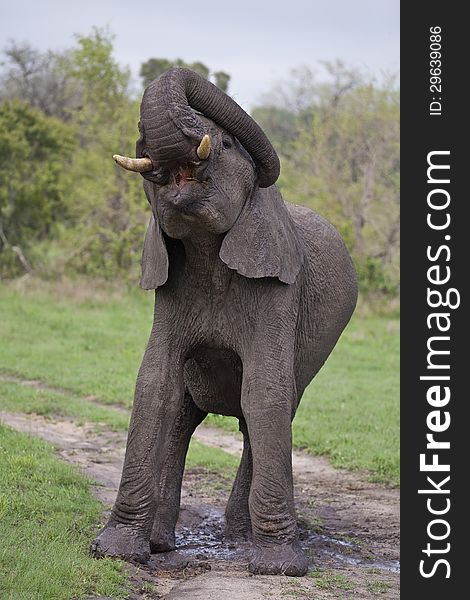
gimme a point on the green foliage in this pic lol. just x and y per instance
(42, 79)
(104, 84)
(154, 67)
(329, 580)
(280, 124)
(373, 276)
(47, 519)
(62, 173)
(34, 150)
(222, 80)
(108, 206)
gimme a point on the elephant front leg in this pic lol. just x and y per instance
(162, 538)
(268, 397)
(157, 405)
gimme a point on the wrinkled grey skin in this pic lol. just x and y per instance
(252, 296)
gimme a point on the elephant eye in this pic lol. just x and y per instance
(226, 142)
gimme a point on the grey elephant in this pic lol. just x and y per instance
(253, 293)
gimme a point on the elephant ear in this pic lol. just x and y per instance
(155, 255)
(264, 241)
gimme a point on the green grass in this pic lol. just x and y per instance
(92, 344)
(350, 412)
(49, 403)
(330, 580)
(214, 459)
(47, 519)
(378, 587)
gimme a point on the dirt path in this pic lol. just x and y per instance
(349, 527)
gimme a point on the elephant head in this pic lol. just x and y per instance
(209, 170)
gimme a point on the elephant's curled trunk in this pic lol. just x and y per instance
(171, 129)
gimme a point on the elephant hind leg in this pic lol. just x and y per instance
(168, 491)
(237, 512)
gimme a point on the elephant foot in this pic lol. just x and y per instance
(286, 559)
(120, 541)
(162, 539)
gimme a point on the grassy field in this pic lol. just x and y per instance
(88, 341)
(47, 518)
(351, 410)
(76, 338)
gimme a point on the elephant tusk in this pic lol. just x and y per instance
(204, 148)
(138, 165)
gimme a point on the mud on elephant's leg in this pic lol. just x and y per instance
(267, 399)
(158, 401)
(162, 538)
(237, 512)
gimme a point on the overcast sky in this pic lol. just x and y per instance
(256, 42)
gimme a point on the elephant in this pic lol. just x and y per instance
(251, 296)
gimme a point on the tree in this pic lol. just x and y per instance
(44, 80)
(34, 152)
(108, 207)
(154, 67)
(280, 124)
(75, 209)
(222, 80)
(198, 67)
(63, 208)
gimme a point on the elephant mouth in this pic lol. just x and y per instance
(188, 174)
(184, 175)
(187, 187)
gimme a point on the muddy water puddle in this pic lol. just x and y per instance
(332, 548)
(201, 545)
